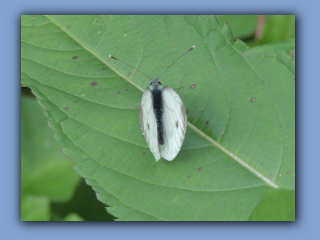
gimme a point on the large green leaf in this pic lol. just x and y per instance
(240, 135)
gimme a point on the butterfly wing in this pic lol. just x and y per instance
(149, 123)
(174, 123)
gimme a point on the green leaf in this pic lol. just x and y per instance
(35, 208)
(242, 26)
(278, 28)
(276, 205)
(72, 217)
(44, 169)
(240, 135)
(284, 45)
(278, 34)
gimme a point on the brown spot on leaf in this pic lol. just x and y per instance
(271, 115)
(192, 86)
(252, 99)
(207, 122)
(66, 108)
(69, 27)
(94, 84)
(128, 74)
(127, 89)
(74, 57)
(143, 153)
(104, 69)
(75, 101)
(200, 169)
(288, 172)
(118, 92)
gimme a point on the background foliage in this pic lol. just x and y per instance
(240, 138)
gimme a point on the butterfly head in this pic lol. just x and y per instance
(155, 84)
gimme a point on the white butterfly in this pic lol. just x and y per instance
(163, 117)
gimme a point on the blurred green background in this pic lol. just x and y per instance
(44, 168)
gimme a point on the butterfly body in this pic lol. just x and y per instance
(157, 102)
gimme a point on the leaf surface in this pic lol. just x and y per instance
(275, 205)
(45, 171)
(240, 135)
(242, 26)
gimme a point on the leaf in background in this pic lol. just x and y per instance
(278, 32)
(278, 28)
(35, 208)
(44, 169)
(275, 205)
(73, 217)
(240, 135)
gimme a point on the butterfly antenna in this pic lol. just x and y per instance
(110, 56)
(176, 60)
